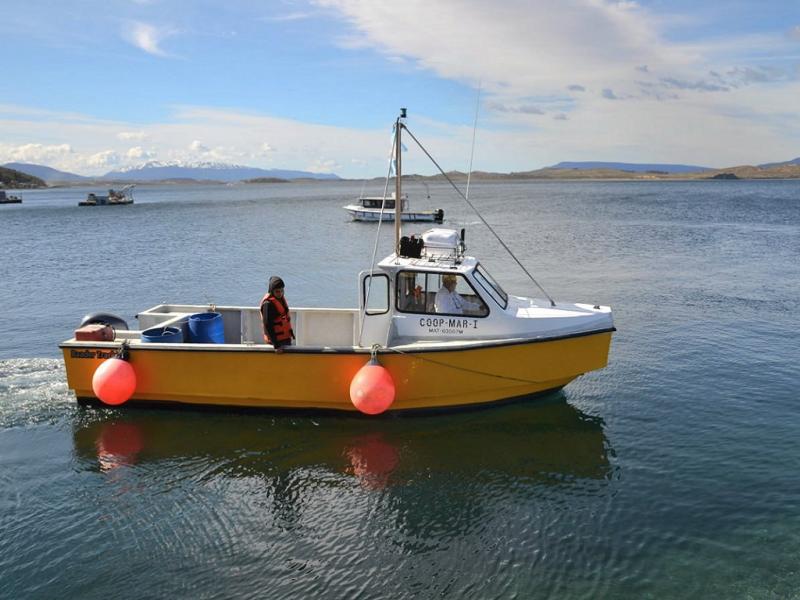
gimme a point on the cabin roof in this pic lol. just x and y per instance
(435, 263)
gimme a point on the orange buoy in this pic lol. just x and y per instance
(372, 388)
(114, 381)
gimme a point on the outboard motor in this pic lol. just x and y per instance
(105, 319)
(439, 217)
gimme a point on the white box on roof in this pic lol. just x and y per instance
(444, 239)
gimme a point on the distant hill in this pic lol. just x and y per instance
(794, 161)
(784, 171)
(787, 170)
(634, 167)
(13, 179)
(156, 171)
(49, 174)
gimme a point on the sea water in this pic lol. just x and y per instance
(673, 472)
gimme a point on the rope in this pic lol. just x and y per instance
(457, 368)
(480, 216)
(124, 349)
(363, 312)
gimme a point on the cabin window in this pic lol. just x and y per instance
(493, 288)
(378, 202)
(426, 293)
(376, 293)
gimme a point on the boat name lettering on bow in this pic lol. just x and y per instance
(92, 353)
(454, 325)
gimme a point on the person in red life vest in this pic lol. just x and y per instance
(275, 316)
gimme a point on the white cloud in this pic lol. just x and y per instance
(266, 148)
(524, 109)
(708, 129)
(147, 37)
(293, 16)
(322, 165)
(523, 48)
(33, 153)
(131, 135)
(529, 54)
(198, 146)
(138, 153)
(105, 158)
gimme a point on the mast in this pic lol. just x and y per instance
(398, 203)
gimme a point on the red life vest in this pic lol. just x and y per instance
(283, 323)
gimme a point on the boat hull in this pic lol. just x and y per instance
(388, 215)
(115, 203)
(257, 377)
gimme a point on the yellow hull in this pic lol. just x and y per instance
(304, 379)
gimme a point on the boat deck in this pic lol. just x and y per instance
(316, 329)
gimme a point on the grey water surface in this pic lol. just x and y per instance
(672, 473)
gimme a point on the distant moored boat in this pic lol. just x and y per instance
(114, 197)
(8, 199)
(368, 208)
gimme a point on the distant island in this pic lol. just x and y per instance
(17, 180)
(21, 175)
(266, 180)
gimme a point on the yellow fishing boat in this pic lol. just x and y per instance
(442, 328)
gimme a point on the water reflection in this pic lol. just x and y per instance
(549, 441)
(372, 460)
(334, 505)
(118, 444)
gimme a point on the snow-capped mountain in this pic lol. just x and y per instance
(156, 170)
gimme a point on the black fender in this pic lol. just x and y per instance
(118, 323)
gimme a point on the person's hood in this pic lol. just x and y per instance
(275, 283)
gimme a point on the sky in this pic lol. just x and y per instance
(315, 85)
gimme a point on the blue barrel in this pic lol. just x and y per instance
(206, 328)
(162, 335)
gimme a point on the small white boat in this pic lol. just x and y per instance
(369, 209)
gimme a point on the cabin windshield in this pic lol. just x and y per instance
(493, 288)
(438, 293)
(377, 202)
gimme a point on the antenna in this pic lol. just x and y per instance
(474, 130)
(398, 194)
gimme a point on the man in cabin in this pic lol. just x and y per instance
(449, 301)
(275, 316)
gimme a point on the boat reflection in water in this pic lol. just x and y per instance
(118, 444)
(548, 441)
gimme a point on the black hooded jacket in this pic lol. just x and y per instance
(269, 314)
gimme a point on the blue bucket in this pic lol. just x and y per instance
(162, 335)
(206, 328)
